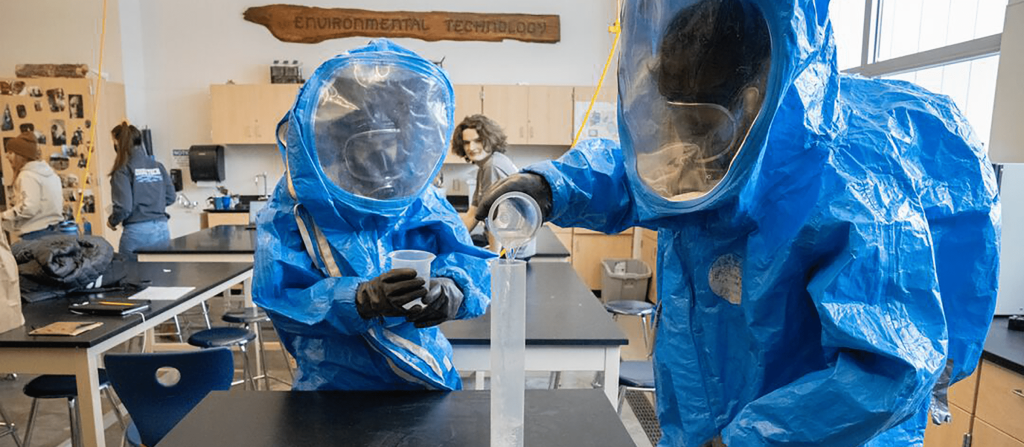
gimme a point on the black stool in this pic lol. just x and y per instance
(52, 386)
(228, 337)
(634, 308)
(251, 317)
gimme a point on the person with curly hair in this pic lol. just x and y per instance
(481, 141)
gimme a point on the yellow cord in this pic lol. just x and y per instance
(614, 29)
(95, 112)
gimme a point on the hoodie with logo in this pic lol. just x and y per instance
(141, 190)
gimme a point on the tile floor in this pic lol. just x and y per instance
(52, 422)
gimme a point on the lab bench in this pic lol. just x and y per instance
(988, 406)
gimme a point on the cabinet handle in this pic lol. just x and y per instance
(1019, 393)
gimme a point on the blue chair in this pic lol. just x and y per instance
(155, 397)
(60, 386)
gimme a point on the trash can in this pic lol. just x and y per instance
(624, 279)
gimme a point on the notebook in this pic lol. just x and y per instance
(109, 307)
(66, 328)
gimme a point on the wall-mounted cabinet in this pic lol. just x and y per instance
(539, 115)
(248, 114)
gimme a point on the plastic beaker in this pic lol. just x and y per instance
(514, 220)
(418, 260)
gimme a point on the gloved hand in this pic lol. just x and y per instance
(385, 294)
(442, 301)
(533, 185)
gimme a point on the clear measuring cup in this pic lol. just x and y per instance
(514, 220)
(418, 260)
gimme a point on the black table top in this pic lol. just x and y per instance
(222, 239)
(562, 418)
(548, 245)
(560, 310)
(240, 239)
(1005, 347)
(166, 274)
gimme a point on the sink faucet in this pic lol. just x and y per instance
(257, 180)
(185, 201)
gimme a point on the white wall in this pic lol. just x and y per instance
(59, 32)
(174, 50)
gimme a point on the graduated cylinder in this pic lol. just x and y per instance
(508, 352)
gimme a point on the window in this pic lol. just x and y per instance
(924, 41)
(971, 85)
(912, 26)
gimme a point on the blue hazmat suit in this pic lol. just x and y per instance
(367, 134)
(827, 244)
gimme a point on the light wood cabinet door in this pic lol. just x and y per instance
(951, 434)
(963, 392)
(588, 250)
(1001, 399)
(273, 102)
(649, 254)
(550, 115)
(248, 114)
(985, 435)
(508, 105)
(230, 113)
(210, 220)
(467, 102)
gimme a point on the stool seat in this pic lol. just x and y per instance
(54, 386)
(636, 374)
(247, 315)
(629, 307)
(221, 336)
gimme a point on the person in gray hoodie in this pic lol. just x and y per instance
(37, 204)
(141, 189)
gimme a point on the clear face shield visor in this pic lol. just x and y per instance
(704, 89)
(380, 130)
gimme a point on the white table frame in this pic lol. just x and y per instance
(546, 358)
(84, 363)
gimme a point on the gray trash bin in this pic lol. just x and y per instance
(624, 279)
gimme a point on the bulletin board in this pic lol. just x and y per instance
(59, 113)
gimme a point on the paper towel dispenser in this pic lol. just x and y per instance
(206, 163)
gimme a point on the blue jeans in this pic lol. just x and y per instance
(139, 235)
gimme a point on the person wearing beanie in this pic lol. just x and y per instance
(36, 207)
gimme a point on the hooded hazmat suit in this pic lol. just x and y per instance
(815, 230)
(367, 133)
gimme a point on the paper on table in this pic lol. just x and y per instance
(161, 293)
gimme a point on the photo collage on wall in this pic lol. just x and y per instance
(54, 110)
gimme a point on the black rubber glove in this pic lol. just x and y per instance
(533, 185)
(443, 302)
(386, 294)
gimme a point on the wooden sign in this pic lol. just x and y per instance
(302, 24)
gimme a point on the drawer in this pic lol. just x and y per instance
(985, 435)
(1001, 399)
(962, 394)
(951, 434)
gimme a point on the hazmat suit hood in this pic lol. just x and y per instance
(367, 133)
(714, 76)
